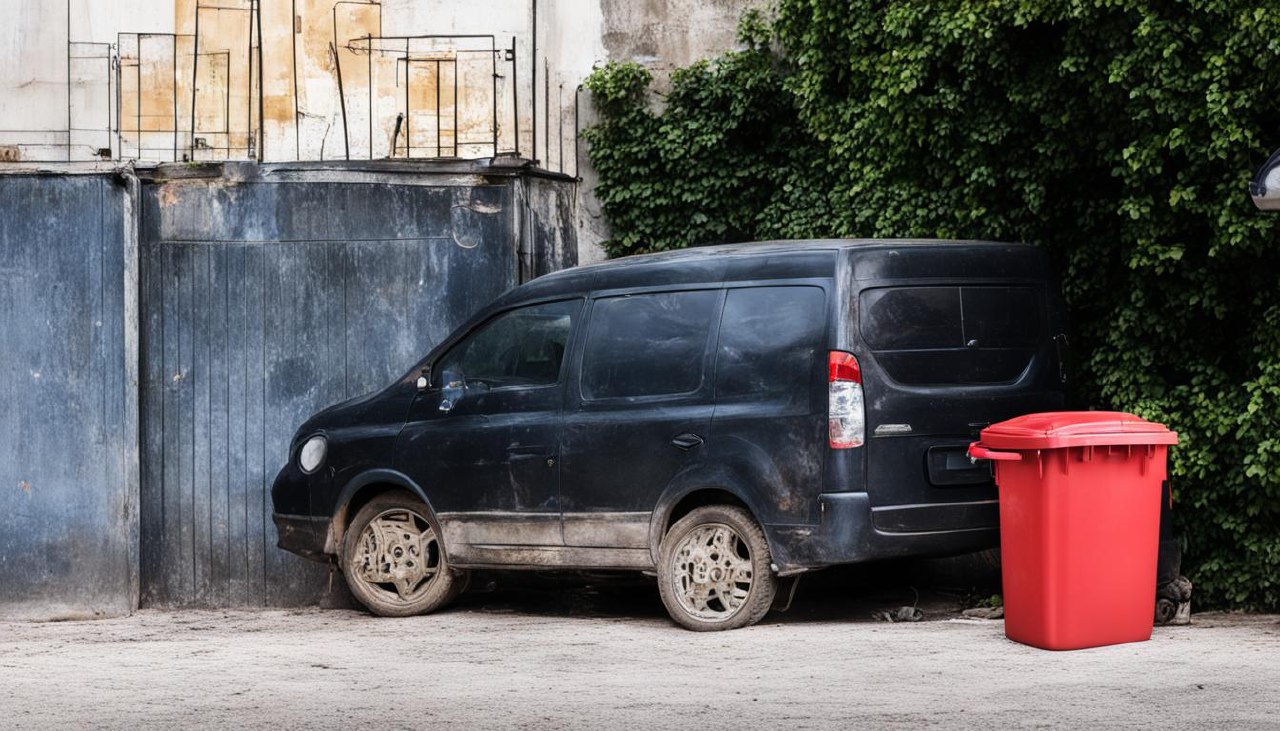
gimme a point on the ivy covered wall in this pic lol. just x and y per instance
(1118, 135)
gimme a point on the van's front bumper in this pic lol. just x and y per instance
(296, 531)
(847, 534)
(301, 534)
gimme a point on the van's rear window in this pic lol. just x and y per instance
(952, 334)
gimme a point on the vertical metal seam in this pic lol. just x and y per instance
(244, 416)
(408, 74)
(456, 152)
(119, 94)
(515, 98)
(226, 404)
(190, 384)
(439, 80)
(533, 84)
(68, 80)
(208, 385)
(164, 412)
(369, 41)
(346, 326)
(262, 124)
(493, 63)
(195, 66)
(342, 99)
(100, 327)
(293, 33)
(175, 96)
(262, 471)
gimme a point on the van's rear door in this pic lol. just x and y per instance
(953, 337)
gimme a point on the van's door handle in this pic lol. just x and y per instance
(687, 441)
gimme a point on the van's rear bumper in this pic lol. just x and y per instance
(847, 534)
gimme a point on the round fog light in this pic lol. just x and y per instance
(311, 456)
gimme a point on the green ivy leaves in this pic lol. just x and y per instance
(1118, 134)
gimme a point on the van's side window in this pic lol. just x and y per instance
(952, 335)
(648, 344)
(769, 340)
(912, 318)
(523, 347)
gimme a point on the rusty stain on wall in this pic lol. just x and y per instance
(326, 81)
(304, 80)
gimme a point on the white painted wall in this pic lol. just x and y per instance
(100, 20)
(33, 101)
(37, 77)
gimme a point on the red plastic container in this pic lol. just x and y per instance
(1079, 525)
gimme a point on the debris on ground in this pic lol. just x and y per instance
(984, 613)
(904, 614)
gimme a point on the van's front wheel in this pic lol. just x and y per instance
(714, 570)
(392, 558)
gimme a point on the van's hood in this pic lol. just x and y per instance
(378, 407)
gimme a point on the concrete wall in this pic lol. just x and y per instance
(156, 364)
(661, 34)
(33, 101)
(68, 459)
(266, 85)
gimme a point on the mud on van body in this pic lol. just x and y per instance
(721, 416)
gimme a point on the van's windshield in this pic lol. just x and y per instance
(951, 335)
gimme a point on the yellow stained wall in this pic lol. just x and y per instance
(304, 43)
(227, 93)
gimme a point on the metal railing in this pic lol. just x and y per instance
(200, 96)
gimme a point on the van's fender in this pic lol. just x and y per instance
(741, 481)
(379, 476)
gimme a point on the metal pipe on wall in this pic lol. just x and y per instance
(533, 85)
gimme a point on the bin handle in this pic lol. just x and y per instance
(977, 452)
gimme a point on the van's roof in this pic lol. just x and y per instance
(808, 257)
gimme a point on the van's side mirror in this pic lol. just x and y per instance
(454, 387)
(424, 379)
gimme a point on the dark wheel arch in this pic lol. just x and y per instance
(674, 507)
(358, 492)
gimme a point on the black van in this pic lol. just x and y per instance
(721, 416)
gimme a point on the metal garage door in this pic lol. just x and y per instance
(263, 302)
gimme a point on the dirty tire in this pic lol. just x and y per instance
(393, 560)
(714, 570)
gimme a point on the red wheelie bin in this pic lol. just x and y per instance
(1080, 496)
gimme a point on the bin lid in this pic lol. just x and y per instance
(1054, 429)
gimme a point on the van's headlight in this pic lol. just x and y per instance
(311, 456)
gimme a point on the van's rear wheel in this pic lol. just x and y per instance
(393, 561)
(714, 570)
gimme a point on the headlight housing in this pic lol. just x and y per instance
(312, 454)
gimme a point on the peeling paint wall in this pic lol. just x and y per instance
(68, 456)
(157, 80)
(668, 34)
(33, 104)
(661, 34)
(156, 365)
(268, 296)
(548, 228)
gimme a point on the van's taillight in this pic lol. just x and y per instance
(846, 424)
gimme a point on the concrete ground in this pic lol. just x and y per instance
(579, 653)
